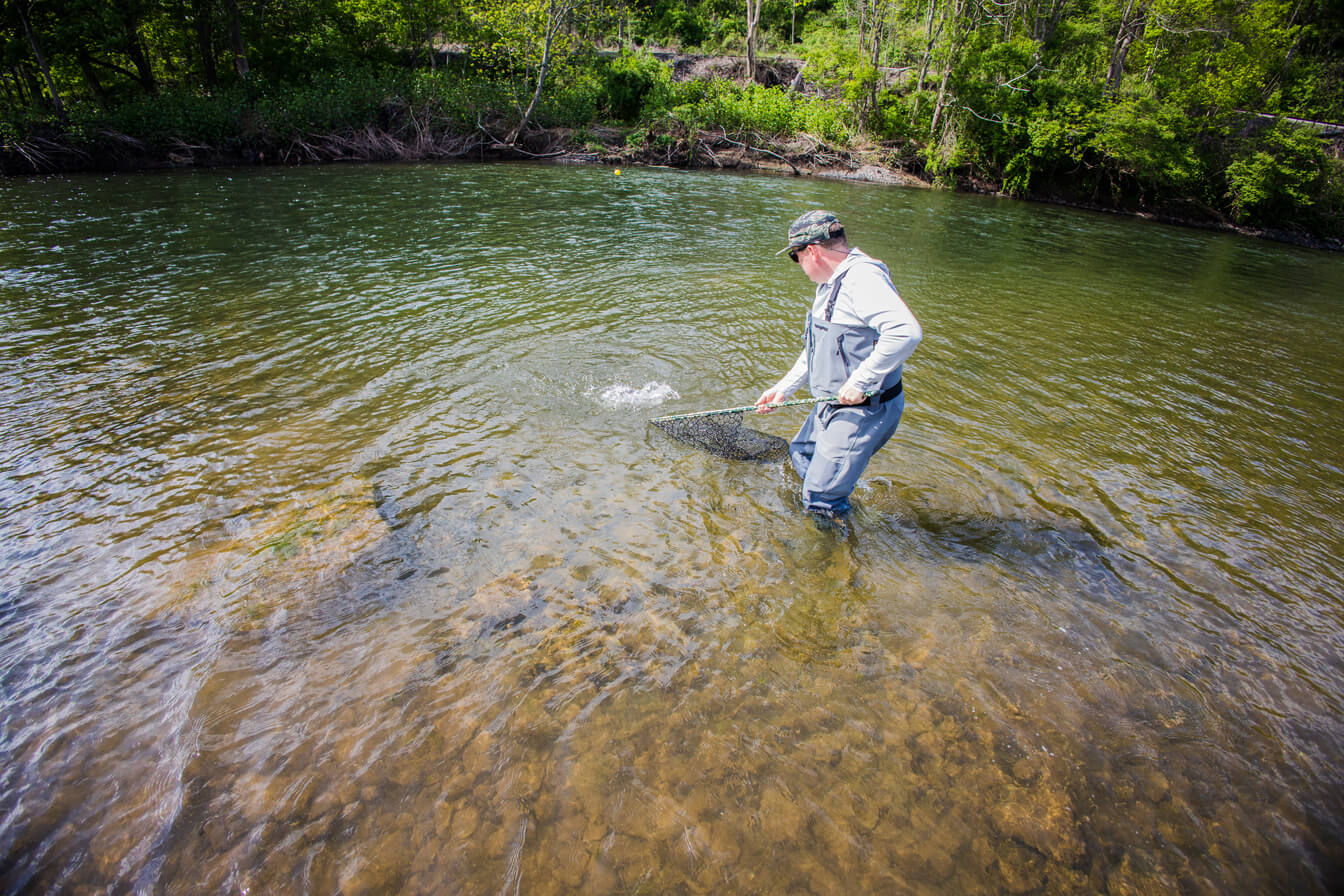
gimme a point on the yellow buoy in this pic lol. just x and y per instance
(618, 171)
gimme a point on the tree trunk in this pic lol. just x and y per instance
(938, 104)
(798, 83)
(24, 77)
(236, 39)
(554, 16)
(1132, 24)
(41, 60)
(863, 32)
(753, 19)
(205, 43)
(875, 54)
(925, 60)
(90, 75)
(1045, 21)
(954, 41)
(144, 69)
(929, 38)
(13, 88)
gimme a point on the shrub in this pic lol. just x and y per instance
(672, 21)
(185, 115)
(571, 101)
(767, 110)
(633, 82)
(1276, 175)
(342, 101)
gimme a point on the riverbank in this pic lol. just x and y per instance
(684, 111)
(611, 146)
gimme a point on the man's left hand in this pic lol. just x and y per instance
(851, 395)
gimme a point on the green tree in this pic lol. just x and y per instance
(534, 37)
(22, 11)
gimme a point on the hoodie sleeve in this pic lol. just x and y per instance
(874, 300)
(795, 378)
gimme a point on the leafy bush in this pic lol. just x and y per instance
(677, 22)
(185, 115)
(767, 110)
(892, 119)
(339, 102)
(573, 103)
(1277, 175)
(1049, 143)
(1328, 212)
(1151, 141)
(832, 58)
(633, 81)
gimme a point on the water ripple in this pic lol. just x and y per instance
(338, 554)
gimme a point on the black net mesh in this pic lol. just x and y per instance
(723, 435)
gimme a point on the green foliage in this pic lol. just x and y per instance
(269, 114)
(833, 61)
(723, 104)
(1328, 212)
(329, 105)
(523, 32)
(573, 103)
(892, 120)
(1276, 175)
(175, 115)
(1050, 143)
(1149, 140)
(676, 23)
(633, 81)
(993, 82)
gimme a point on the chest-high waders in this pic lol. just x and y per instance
(836, 441)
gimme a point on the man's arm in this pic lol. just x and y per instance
(877, 304)
(781, 390)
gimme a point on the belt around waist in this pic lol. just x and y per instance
(887, 394)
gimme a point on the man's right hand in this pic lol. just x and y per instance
(768, 397)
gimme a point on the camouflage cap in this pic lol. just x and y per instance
(815, 226)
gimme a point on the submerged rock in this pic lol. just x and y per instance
(1041, 818)
(289, 556)
(504, 602)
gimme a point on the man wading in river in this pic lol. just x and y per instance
(858, 335)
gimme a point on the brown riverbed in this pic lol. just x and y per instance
(338, 555)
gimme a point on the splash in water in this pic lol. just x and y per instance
(619, 395)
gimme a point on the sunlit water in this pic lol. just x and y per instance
(337, 554)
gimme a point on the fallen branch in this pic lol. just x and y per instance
(709, 152)
(31, 154)
(758, 149)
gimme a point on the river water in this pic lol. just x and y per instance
(337, 555)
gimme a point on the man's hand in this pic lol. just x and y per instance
(768, 397)
(851, 395)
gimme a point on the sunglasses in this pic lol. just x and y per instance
(793, 254)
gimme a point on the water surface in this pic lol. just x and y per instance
(336, 554)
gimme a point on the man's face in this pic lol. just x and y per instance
(809, 259)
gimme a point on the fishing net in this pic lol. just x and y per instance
(721, 433)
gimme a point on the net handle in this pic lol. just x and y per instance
(750, 407)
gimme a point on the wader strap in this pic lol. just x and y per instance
(887, 394)
(835, 294)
